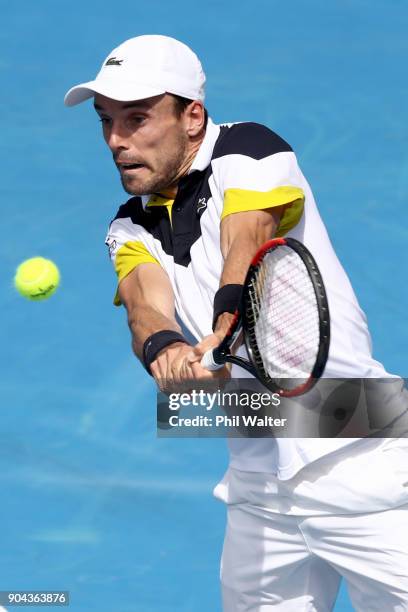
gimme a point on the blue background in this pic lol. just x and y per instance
(90, 500)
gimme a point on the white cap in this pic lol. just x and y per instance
(143, 67)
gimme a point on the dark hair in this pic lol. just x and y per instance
(180, 105)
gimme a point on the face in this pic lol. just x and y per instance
(149, 142)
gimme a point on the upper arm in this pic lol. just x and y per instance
(143, 285)
(130, 246)
(256, 226)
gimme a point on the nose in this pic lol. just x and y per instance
(116, 137)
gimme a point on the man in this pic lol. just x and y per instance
(205, 197)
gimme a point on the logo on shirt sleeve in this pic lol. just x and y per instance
(111, 244)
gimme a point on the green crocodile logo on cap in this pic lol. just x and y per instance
(112, 61)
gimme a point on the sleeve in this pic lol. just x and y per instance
(128, 247)
(255, 169)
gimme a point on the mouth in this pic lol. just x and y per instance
(129, 167)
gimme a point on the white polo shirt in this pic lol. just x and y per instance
(241, 167)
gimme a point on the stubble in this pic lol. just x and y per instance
(165, 175)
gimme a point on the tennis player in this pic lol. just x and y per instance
(302, 512)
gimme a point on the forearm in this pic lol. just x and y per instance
(149, 300)
(236, 264)
(144, 321)
(241, 236)
(239, 256)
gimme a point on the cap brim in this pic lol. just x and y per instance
(122, 92)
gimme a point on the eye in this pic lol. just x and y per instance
(137, 119)
(104, 120)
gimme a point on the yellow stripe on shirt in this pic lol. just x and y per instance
(158, 200)
(128, 257)
(243, 200)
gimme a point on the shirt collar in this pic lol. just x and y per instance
(204, 153)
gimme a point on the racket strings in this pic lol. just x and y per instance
(283, 316)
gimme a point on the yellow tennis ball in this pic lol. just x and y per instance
(37, 278)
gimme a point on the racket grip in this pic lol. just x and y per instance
(208, 362)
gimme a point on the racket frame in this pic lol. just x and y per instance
(323, 310)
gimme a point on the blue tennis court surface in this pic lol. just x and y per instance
(91, 501)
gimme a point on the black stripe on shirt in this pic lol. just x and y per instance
(154, 219)
(251, 139)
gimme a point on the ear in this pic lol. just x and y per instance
(194, 118)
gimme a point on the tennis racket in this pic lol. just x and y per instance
(284, 316)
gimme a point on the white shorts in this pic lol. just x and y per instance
(288, 543)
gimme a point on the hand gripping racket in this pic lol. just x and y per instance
(284, 316)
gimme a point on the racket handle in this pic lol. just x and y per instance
(208, 362)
